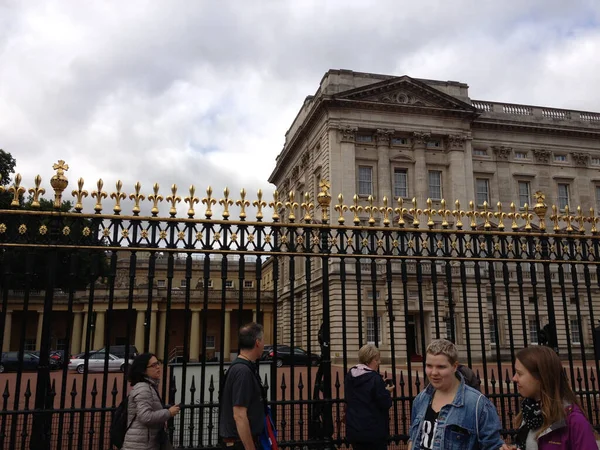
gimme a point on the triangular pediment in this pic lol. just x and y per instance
(405, 91)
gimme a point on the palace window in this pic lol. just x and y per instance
(248, 283)
(436, 143)
(229, 284)
(400, 183)
(560, 158)
(399, 141)
(482, 186)
(492, 324)
(210, 342)
(524, 193)
(365, 180)
(371, 329)
(563, 195)
(364, 138)
(480, 152)
(160, 283)
(595, 161)
(183, 283)
(533, 332)
(597, 199)
(520, 155)
(575, 332)
(435, 184)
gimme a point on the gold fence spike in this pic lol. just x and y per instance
(191, 200)
(17, 190)
(568, 218)
(137, 197)
(36, 192)
(580, 220)
(500, 216)
(458, 213)
(386, 211)
(117, 197)
(485, 214)
(209, 201)
(173, 199)
(307, 207)
(371, 210)
(79, 195)
(415, 212)
(259, 204)
(243, 204)
(292, 206)
(99, 195)
(324, 200)
(59, 182)
(430, 212)
(276, 205)
(226, 203)
(444, 214)
(472, 214)
(593, 219)
(541, 208)
(356, 208)
(400, 210)
(527, 216)
(555, 217)
(341, 208)
(155, 198)
(513, 215)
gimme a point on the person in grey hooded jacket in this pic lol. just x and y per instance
(146, 415)
(368, 400)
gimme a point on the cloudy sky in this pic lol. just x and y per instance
(202, 92)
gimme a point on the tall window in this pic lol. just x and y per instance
(365, 180)
(371, 329)
(563, 195)
(482, 186)
(524, 193)
(533, 331)
(400, 183)
(210, 342)
(435, 184)
(598, 199)
(493, 337)
(183, 283)
(575, 332)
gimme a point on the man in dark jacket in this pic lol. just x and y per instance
(368, 400)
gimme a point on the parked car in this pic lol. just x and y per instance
(285, 356)
(57, 355)
(10, 361)
(96, 362)
(119, 351)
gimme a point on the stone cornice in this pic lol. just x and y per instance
(421, 138)
(383, 136)
(502, 152)
(581, 159)
(347, 133)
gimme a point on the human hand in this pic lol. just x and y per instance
(508, 447)
(174, 410)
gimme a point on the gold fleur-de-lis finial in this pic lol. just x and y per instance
(485, 214)
(444, 214)
(555, 217)
(79, 195)
(155, 198)
(259, 205)
(173, 199)
(209, 201)
(341, 208)
(36, 192)
(458, 213)
(415, 212)
(191, 200)
(386, 211)
(567, 217)
(99, 194)
(527, 216)
(472, 214)
(580, 220)
(243, 204)
(593, 219)
(430, 212)
(400, 210)
(17, 190)
(356, 208)
(226, 203)
(500, 216)
(276, 205)
(137, 197)
(60, 167)
(513, 215)
(307, 207)
(117, 197)
(291, 205)
(371, 210)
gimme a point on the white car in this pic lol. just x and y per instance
(96, 363)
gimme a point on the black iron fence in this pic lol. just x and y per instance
(323, 279)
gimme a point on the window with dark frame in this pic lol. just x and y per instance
(400, 183)
(365, 180)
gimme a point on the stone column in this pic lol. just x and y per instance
(421, 176)
(195, 336)
(468, 158)
(153, 332)
(268, 327)
(503, 174)
(38, 339)
(345, 165)
(162, 335)
(384, 181)
(227, 343)
(99, 330)
(254, 316)
(459, 185)
(7, 332)
(139, 330)
(76, 333)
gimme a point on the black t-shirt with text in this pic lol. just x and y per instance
(429, 427)
(241, 388)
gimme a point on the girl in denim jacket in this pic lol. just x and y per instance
(448, 414)
(550, 416)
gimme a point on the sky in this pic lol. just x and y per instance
(202, 92)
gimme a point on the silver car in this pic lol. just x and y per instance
(96, 363)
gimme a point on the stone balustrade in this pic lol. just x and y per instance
(486, 107)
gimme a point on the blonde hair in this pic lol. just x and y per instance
(367, 353)
(443, 347)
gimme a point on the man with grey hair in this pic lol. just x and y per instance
(242, 399)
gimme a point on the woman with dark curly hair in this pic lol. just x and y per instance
(146, 415)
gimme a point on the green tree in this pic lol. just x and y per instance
(7, 168)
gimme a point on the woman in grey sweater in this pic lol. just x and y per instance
(146, 415)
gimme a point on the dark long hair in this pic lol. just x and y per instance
(544, 365)
(138, 367)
